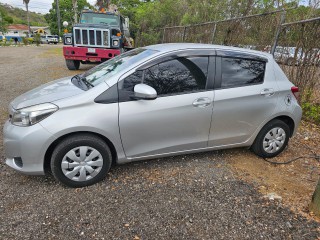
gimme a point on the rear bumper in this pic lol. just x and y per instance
(83, 54)
(296, 115)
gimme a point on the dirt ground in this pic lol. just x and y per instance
(294, 182)
(215, 195)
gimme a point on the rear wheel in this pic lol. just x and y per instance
(81, 160)
(272, 139)
(73, 64)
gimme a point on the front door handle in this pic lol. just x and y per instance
(202, 102)
(268, 92)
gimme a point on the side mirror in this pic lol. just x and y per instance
(143, 91)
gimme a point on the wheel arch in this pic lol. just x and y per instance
(50, 149)
(287, 120)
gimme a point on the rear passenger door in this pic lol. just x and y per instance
(245, 95)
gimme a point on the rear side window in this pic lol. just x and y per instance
(237, 72)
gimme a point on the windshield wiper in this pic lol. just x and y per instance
(82, 80)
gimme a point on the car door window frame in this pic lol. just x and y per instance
(179, 93)
(208, 53)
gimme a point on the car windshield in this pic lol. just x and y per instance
(115, 65)
(100, 18)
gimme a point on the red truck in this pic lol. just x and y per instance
(98, 37)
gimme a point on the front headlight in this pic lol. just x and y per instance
(68, 40)
(31, 115)
(115, 42)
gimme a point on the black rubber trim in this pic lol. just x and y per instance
(185, 53)
(234, 54)
(211, 73)
(108, 96)
(218, 75)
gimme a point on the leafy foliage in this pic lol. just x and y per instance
(37, 39)
(13, 15)
(311, 111)
(66, 12)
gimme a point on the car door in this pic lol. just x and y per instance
(245, 95)
(178, 119)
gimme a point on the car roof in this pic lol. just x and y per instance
(168, 47)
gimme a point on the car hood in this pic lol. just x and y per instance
(52, 91)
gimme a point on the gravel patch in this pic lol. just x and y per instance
(184, 197)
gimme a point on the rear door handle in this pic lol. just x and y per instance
(202, 102)
(268, 92)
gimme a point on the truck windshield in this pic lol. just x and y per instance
(100, 18)
(115, 65)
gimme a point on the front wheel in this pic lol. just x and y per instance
(73, 64)
(272, 139)
(81, 160)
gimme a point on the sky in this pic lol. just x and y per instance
(43, 6)
(40, 6)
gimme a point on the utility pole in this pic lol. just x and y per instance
(58, 16)
(75, 7)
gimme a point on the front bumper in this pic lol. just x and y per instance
(28, 144)
(83, 54)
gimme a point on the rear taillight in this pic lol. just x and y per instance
(295, 91)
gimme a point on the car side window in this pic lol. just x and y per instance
(237, 72)
(178, 76)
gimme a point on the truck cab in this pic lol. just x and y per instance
(98, 37)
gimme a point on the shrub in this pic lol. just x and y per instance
(311, 112)
(30, 40)
(25, 41)
(37, 39)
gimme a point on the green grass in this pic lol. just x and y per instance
(311, 112)
(53, 51)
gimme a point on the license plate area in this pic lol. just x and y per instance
(91, 50)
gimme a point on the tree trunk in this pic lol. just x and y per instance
(29, 30)
(315, 202)
(75, 9)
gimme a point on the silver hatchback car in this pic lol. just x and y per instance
(152, 102)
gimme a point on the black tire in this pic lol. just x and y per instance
(55, 43)
(257, 146)
(71, 143)
(73, 64)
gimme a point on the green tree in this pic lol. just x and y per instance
(103, 4)
(66, 12)
(3, 22)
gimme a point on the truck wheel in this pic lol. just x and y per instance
(73, 64)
